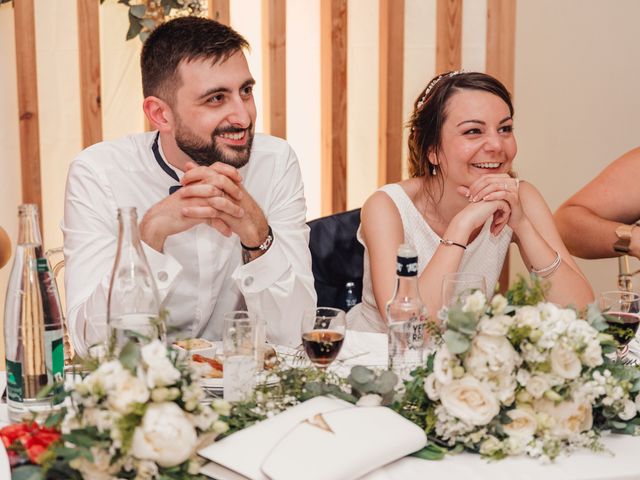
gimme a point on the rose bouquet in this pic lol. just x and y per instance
(530, 379)
(138, 416)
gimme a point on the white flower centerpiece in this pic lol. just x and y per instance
(531, 379)
(140, 416)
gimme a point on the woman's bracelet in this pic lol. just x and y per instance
(448, 243)
(548, 270)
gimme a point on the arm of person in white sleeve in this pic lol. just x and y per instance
(90, 229)
(278, 285)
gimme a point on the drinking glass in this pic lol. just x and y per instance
(96, 333)
(456, 287)
(239, 347)
(323, 331)
(621, 311)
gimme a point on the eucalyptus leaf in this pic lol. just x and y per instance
(456, 342)
(130, 356)
(27, 472)
(148, 23)
(138, 11)
(134, 27)
(430, 452)
(144, 36)
(463, 322)
(360, 374)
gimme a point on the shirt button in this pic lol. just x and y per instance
(163, 276)
(248, 281)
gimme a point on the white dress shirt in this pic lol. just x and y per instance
(200, 274)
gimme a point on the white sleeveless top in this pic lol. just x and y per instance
(485, 255)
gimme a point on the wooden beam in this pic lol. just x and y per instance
(28, 103)
(333, 95)
(219, 10)
(448, 35)
(501, 41)
(89, 50)
(274, 65)
(391, 86)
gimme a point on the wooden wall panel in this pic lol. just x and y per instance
(28, 103)
(89, 50)
(219, 10)
(390, 121)
(501, 41)
(333, 94)
(274, 65)
(448, 35)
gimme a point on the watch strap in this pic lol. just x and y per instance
(264, 246)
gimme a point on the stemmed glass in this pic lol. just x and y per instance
(621, 310)
(323, 331)
(456, 287)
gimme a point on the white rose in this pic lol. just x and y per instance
(592, 355)
(570, 418)
(548, 311)
(128, 391)
(490, 354)
(443, 364)
(527, 316)
(160, 370)
(493, 326)
(475, 303)
(628, 410)
(432, 387)
(498, 304)
(165, 435)
(537, 385)
(470, 401)
(369, 400)
(564, 362)
(523, 424)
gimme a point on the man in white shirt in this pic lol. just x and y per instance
(222, 209)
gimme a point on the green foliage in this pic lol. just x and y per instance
(365, 381)
(525, 293)
(145, 16)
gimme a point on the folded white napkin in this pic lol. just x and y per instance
(323, 438)
(364, 348)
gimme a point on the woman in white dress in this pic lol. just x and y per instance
(462, 206)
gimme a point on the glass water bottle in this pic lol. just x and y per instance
(33, 333)
(133, 308)
(406, 316)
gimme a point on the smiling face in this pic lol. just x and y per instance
(214, 111)
(477, 137)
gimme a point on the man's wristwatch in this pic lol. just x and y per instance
(623, 232)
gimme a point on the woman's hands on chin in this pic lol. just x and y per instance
(475, 215)
(498, 187)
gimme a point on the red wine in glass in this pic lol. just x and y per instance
(322, 346)
(622, 326)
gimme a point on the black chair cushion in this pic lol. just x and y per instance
(337, 257)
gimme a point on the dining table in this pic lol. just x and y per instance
(618, 460)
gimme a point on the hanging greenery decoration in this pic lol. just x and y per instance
(145, 15)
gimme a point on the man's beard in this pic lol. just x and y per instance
(205, 154)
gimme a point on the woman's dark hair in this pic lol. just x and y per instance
(430, 112)
(183, 39)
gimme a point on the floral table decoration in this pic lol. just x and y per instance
(511, 375)
(139, 416)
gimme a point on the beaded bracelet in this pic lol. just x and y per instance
(548, 270)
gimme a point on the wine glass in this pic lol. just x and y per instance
(456, 287)
(323, 331)
(621, 310)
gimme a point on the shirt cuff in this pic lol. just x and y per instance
(263, 272)
(164, 267)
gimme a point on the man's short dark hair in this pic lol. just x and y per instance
(182, 40)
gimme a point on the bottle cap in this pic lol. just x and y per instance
(407, 265)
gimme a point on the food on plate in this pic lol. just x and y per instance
(215, 366)
(193, 344)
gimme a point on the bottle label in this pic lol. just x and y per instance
(54, 359)
(407, 266)
(15, 389)
(42, 265)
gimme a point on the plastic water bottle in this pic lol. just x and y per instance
(350, 300)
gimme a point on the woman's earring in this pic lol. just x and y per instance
(432, 169)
